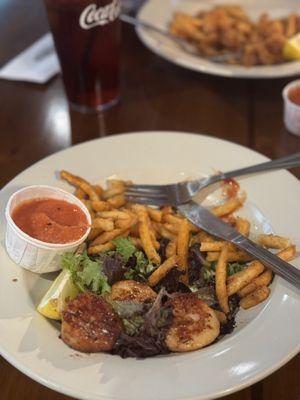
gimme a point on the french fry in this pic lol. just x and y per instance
(167, 210)
(145, 234)
(115, 187)
(262, 280)
(153, 237)
(126, 223)
(171, 249)
(155, 214)
(220, 277)
(104, 224)
(242, 225)
(202, 237)
(100, 205)
(172, 219)
(233, 256)
(163, 232)
(80, 183)
(114, 214)
(99, 190)
(229, 207)
(243, 278)
(108, 236)
(221, 316)
(80, 194)
(212, 246)
(183, 248)
(174, 228)
(162, 270)
(273, 241)
(117, 201)
(95, 232)
(254, 298)
(101, 248)
(287, 254)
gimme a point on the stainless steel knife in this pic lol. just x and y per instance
(204, 219)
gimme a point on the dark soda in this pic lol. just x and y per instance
(87, 39)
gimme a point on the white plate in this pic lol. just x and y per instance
(160, 12)
(266, 337)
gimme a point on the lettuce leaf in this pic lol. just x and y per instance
(125, 247)
(232, 268)
(87, 274)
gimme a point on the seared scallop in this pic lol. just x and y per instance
(89, 324)
(194, 324)
(132, 290)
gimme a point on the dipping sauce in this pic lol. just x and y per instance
(294, 95)
(51, 220)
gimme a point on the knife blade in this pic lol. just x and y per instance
(204, 219)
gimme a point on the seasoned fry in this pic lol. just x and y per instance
(80, 194)
(221, 316)
(256, 297)
(220, 277)
(108, 236)
(167, 210)
(145, 235)
(115, 187)
(202, 237)
(104, 224)
(117, 201)
(126, 223)
(100, 205)
(273, 241)
(229, 207)
(233, 256)
(262, 280)
(80, 183)
(242, 225)
(155, 214)
(115, 214)
(287, 254)
(171, 249)
(162, 270)
(183, 247)
(243, 278)
(101, 248)
(99, 190)
(95, 232)
(212, 246)
(163, 232)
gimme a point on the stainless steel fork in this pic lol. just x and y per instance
(182, 192)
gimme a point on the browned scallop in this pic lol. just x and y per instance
(194, 325)
(132, 290)
(89, 324)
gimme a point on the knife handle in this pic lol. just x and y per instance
(279, 266)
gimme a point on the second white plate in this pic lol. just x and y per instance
(160, 12)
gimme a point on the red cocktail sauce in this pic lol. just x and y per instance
(294, 95)
(51, 220)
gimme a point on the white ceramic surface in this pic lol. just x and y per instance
(266, 337)
(30, 253)
(159, 13)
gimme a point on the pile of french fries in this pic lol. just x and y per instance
(227, 28)
(112, 217)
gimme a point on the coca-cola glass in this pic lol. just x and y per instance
(87, 40)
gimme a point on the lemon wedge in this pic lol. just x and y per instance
(291, 49)
(54, 301)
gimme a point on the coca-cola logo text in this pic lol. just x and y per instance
(92, 16)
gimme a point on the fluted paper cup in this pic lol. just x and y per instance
(30, 253)
(291, 110)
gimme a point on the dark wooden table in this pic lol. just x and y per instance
(35, 122)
